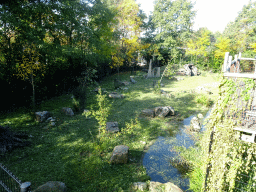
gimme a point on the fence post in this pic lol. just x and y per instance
(25, 187)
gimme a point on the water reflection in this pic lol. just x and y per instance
(157, 159)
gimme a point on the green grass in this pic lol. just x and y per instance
(72, 151)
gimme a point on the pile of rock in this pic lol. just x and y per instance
(158, 111)
(42, 116)
(68, 111)
(188, 70)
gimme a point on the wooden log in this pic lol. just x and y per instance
(248, 59)
(240, 75)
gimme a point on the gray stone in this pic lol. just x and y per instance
(68, 111)
(112, 127)
(164, 111)
(148, 113)
(162, 85)
(194, 71)
(52, 186)
(163, 187)
(115, 95)
(51, 119)
(195, 124)
(42, 115)
(120, 154)
(200, 116)
(187, 68)
(132, 80)
(140, 186)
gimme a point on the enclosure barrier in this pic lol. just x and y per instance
(232, 68)
(10, 183)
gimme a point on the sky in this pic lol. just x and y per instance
(213, 14)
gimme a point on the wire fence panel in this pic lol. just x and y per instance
(9, 182)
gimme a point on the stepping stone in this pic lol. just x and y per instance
(120, 154)
(112, 127)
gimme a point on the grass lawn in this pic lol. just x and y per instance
(73, 152)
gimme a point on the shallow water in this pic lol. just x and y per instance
(157, 158)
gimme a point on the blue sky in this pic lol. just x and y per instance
(213, 14)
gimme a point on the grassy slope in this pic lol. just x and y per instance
(69, 152)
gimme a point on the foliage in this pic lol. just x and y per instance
(172, 20)
(204, 100)
(102, 113)
(226, 162)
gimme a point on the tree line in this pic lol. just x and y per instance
(46, 46)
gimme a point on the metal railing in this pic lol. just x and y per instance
(9, 182)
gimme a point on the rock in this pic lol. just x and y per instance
(125, 88)
(112, 127)
(120, 154)
(125, 83)
(194, 124)
(42, 115)
(163, 187)
(132, 80)
(148, 113)
(190, 70)
(200, 116)
(194, 71)
(68, 111)
(181, 71)
(164, 111)
(51, 119)
(52, 123)
(162, 85)
(187, 68)
(52, 186)
(139, 186)
(115, 95)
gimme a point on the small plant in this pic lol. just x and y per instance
(102, 113)
(157, 89)
(204, 100)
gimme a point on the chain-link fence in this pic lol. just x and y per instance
(9, 182)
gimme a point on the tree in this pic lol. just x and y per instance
(173, 21)
(242, 31)
(28, 66)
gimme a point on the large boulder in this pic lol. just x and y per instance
(163, 187)
(187, 68)
(120, 154)
(148, 113)
(194, 71)
(164, 111)
(52, 186)
(190, 70)
(112, 127)
(42, 115)
(195, 124)
(115, 95)
(68, 111)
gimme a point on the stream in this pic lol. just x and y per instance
(157, 159)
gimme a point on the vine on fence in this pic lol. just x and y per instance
(229, 163)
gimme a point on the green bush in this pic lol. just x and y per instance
(204, 100)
